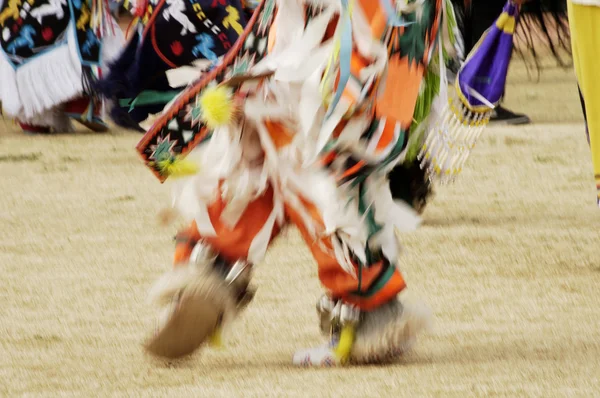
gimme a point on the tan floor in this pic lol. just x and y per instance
(507, 260)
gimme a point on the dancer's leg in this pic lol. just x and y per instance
(231, 243)
(360, 312)
(211, 276)
(372, 285)
(585, 37)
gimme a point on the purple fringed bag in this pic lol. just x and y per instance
(478, 88)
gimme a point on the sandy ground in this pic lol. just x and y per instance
(507, 260)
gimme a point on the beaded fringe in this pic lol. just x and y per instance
(450, 141)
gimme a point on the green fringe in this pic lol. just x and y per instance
(149, 97)
(430, 88)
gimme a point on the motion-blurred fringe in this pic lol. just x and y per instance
(544, 24)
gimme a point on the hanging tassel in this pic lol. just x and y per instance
(450, 142)
(462, 121)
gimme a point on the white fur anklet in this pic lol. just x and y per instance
(379, 336)
(389, 331)
(343, 320)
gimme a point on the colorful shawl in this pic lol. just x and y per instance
(34, 27)
(50, 51)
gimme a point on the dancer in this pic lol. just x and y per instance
(50, 53)
(301, 124)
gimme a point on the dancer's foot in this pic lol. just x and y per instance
(196, 299)
(193, 304)
(324, 356)
(86, 112)
(379, 336)
(502, 115)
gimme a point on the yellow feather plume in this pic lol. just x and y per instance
(217, 106)
(178, 167)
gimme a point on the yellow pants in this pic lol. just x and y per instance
(584, 23)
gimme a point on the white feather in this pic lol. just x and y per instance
(260, 243)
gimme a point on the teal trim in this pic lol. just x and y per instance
(381, 282)
(372, 128)
(149, 97)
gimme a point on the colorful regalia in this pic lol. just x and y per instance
(300, 123)
(51, 51)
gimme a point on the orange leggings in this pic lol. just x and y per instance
(373, 285)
